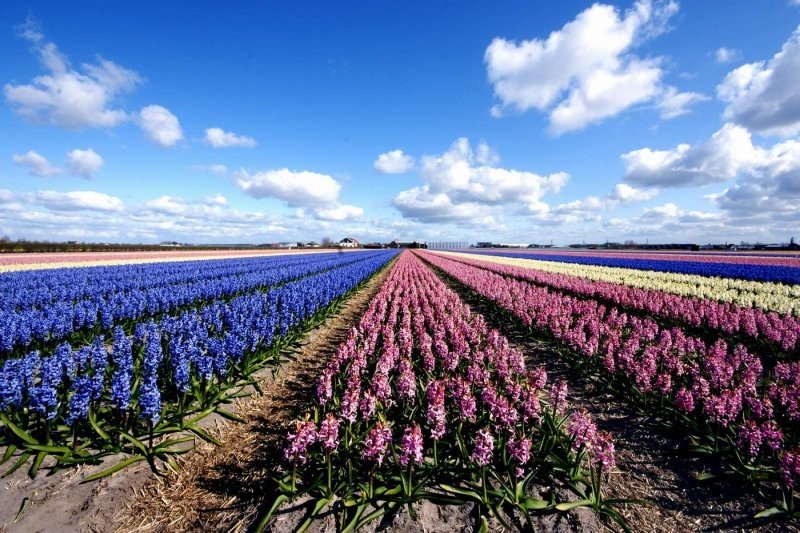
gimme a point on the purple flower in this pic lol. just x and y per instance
(436, 410)
(684, 400)
(520, 448)
(329, 432)
(790, 468)
(411, 446)
(484, 447)
(602, 451)
(558, 398)
(581, 428)
(376, 443)
(305, 435)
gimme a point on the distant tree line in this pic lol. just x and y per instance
(25, 246)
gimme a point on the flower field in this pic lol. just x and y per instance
(428, 397)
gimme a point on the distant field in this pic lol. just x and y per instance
(32, 261)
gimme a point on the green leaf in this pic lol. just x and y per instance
(262, 524)
(19, 432)
(203, 434)
(230, 416)
(772, 511)
(10, 449)
(117, 467)
(704, 476)
(36, 464)
(198, 417)
(25, 501)
(136, 442)
(566, 506)
(471, 494)
(48, 448)
(23, 458)
(93, 421)
(532, 504)
(321, 503)
(163, 447)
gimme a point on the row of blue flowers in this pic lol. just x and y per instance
(109, 395)
(38, 309)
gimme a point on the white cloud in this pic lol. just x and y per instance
(669, 210)
(763, 96)
(37, 164)
(166, 205)
(338, 212)
(218, 138)
(394, 162)
(84, 162)
(68, 97)
(462, 185)
(728, 153)
(675, 104)
(161, 126)
(77, 200)
(624, 193)
(297, 189)
(216, 199)
(724, 55)
(590, 208)
(586, 71)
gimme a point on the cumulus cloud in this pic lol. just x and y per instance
(464, 185)
(725, 155)
(338, 212)
(591, 207)
(77, 200)
(219, 138)
(394, 162)
(37, 164)
(160, 125)
(674, 104)
(765, 179)
(166, 205)
(725, 55)
(84, 162)
(586, 71)
(763, 96)
(770, 187)
(216, 199)
(297, 189)
(68, 97)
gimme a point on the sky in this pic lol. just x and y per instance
(514, 122)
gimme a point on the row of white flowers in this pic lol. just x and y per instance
(770, 296)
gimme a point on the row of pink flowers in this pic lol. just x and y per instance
(711, 382)
(754, 323)
(420, 369)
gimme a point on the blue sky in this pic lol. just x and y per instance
(511, 122)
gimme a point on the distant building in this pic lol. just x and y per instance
(484, 245)
(286, 245)
(311, 244)
(401, 244)
(348, 242)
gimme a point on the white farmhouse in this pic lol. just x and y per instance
(348, 242)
